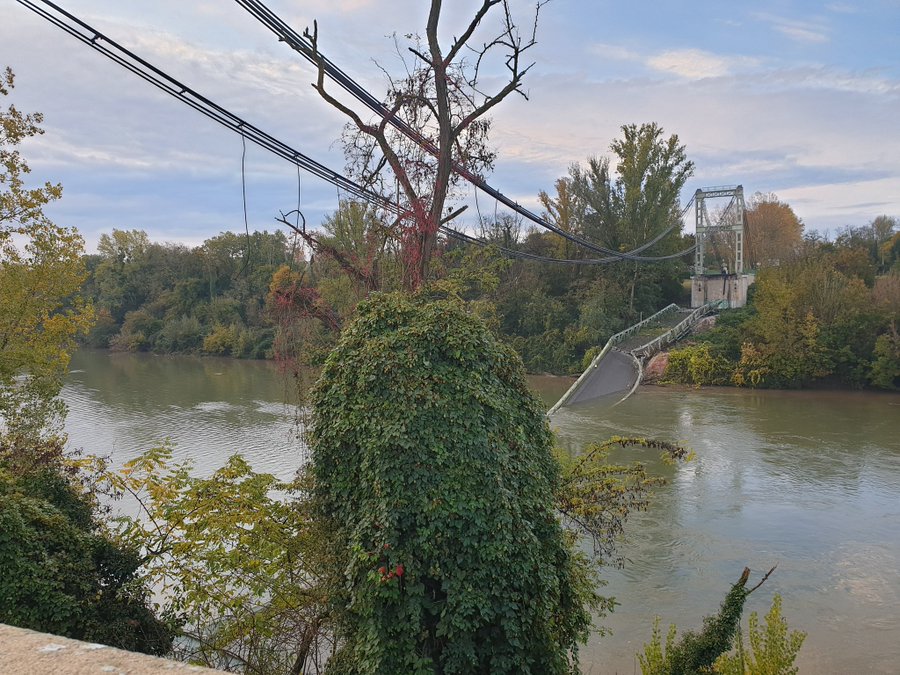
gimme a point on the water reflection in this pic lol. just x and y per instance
(122, 404)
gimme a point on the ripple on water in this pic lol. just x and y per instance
(218, 407)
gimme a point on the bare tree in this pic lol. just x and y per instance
(435, 124)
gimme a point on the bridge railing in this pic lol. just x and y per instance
(671, 335)
(679, 330)
(614, 340)
(621, 336)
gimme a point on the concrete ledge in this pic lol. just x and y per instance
(27, 652)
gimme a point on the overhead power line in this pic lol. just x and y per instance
(150, 73)
(164, 82)
(302, 45)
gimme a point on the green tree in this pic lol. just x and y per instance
(886, 366)
(883, 230)
(434, 480)
(120, 275)
(565, 211)
(890, 253)
(41, 270)
(59, 571)
(641, 203)
(356, 240)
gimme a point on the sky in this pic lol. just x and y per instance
(796, 98)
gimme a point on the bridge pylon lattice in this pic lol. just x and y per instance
(727, 229)
(719, 254)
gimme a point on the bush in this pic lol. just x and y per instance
(103, 330)
(773, 649)
(184, 334)
(435, 479)
(221, 341)
(696, 364)
(239, 342)
(139, 331)
(59, 573)
(885, 371)
(696, 652)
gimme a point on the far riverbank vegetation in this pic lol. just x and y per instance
(822, 311)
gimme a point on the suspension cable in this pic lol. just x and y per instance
(158, 78)
(302, 45)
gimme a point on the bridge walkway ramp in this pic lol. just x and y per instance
(616, 371)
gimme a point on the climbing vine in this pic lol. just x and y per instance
(434, 476)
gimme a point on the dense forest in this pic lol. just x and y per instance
(826, 315)
(820, 310)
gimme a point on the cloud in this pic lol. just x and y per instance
(337, 6)
(613, 52)
(798, 31)
(834, 79)
(129, 155)
(689, 64)
(782, 131)
(841, 8)
(695, 64)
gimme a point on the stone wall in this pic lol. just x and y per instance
(731, 287)
(27, 652)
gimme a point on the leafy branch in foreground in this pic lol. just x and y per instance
(236, 560)
(40, 271)
(594, 498)
(697, 652)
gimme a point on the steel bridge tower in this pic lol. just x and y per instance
(720, 242)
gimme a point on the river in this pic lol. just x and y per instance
(809, 481)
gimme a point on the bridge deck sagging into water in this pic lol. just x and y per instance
(616, 371)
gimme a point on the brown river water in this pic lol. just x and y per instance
(809, 481)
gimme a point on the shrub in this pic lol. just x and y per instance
(58, 572)
(221, 341)
(184, 334)
(773, 649)
(885, 371)
(695, 364)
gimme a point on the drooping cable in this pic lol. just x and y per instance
(153, 75)
(305, 48)
(524, 255)
(130, 61)
(248, 253)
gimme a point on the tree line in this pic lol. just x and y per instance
(823, 313)
(242, 295)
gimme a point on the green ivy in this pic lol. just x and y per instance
(434, 476)
(773, 649)
(696, 652)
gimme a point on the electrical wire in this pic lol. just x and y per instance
(302, 45)
(130, 61)
(153, 75)
(248, 253)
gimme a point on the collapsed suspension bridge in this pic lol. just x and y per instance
(616, 368)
